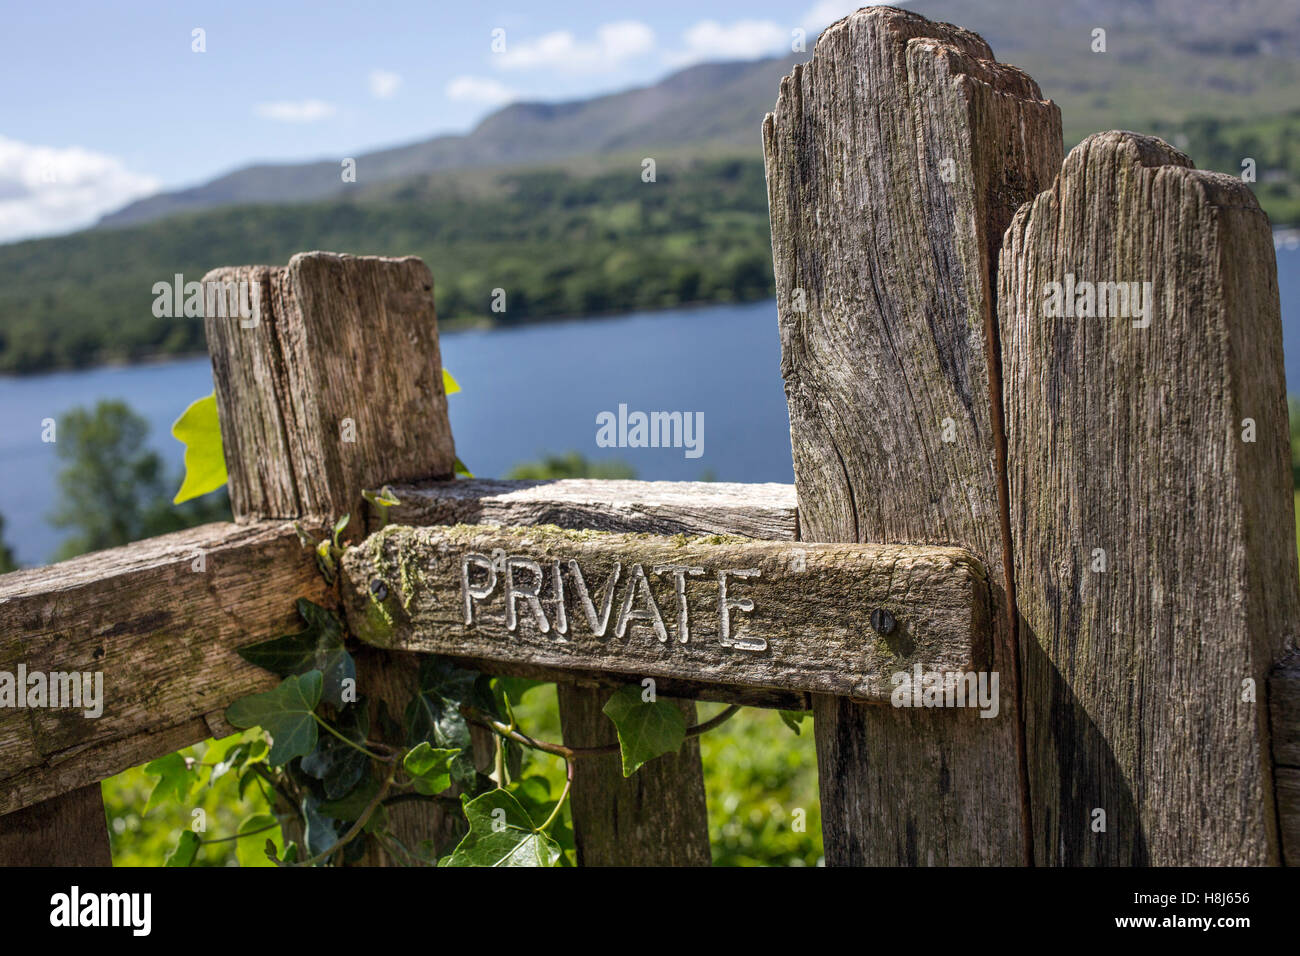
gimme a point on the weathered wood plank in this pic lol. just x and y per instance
(1284, 730)
(895, 159)
(766, 511)
(1287, 782)
(333, 386)
(1155, 555)
(618, 818)
(656, 817)
(714, 609)
(159, 632)
(67, 830)
(1284, 703)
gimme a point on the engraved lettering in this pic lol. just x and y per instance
(469, 592)
(514, 592)
(727, 604)
(584, 598)
(638, 584)
(679, 572)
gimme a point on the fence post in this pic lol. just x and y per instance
(896, 158)
(67, 830)
(656, 817)
(334, 386)
(1151, 507)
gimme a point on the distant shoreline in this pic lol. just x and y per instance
(449, 327)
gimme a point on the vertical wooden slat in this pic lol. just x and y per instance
(67, 830)
(895, 159)
(332, 386)
(656, 817)
(336, 386)
(1152, 511)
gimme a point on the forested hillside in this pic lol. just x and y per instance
(557, 243)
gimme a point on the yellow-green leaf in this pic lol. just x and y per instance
(449, 384)
(205, 463)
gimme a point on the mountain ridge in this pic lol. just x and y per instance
(727, 110)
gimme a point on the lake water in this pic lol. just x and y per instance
(527, 392)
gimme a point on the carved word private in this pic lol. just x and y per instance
(523, 578)
(1125, 300)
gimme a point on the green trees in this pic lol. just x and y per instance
(113, 489)
(7, 561)
(558, 244)
(570, 465)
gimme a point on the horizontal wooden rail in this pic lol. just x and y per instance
(767, 511)
(159, 620)
(827, 618)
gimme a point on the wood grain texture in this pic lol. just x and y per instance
(619, 818)
(1129, 439)
(656, 817)
(67, 830)
(333, 339)
(806, 628)
(895, 159)
(163, 636)
(767, 511)
(1284, 730)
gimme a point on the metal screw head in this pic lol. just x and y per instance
(379, 589)
(883, 622)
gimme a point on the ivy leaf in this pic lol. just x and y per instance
(501, 834)
(338, 766)
(319, 834)
(449, 384)
(187, 848)
(250, 847)
(434, 713)
(645, 730)
(318, 647)
(236, 752)
(286, 713)
(793, 718)
(174, 779)
(534, 795)
(351, 806)
(515, 687)
(429, 768)
(205, 462)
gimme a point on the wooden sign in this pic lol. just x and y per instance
(829, 618)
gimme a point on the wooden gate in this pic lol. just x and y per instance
(1037, 414)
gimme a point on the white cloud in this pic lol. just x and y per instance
(295, 111)
(561, 50)
(383, 84)
(474, 89)
(46, 190)
(741, 40)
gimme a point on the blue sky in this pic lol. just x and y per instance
(106, 102)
